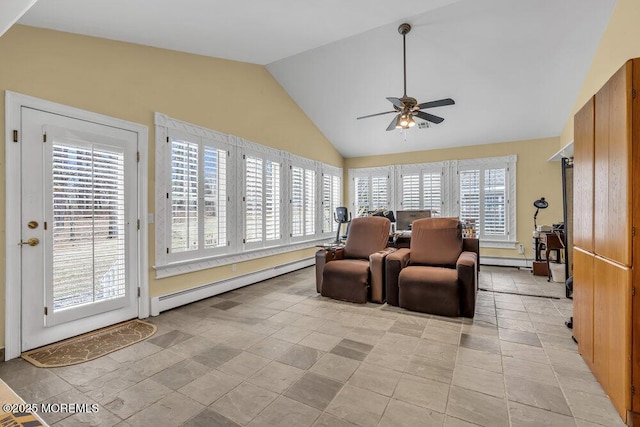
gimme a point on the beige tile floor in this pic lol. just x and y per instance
(277, 354)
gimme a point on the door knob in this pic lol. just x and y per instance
(34, 241)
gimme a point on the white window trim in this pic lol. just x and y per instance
(235, 187)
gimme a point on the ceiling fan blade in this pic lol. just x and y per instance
(438, 103)
(377, 114)
(428, 117)
(392, 125)
(396, 102)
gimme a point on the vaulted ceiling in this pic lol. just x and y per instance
(514, 68)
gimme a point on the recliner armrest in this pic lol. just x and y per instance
(472, 244)
(323, 256)
(377, 268)
(467, 267)
(395, 262)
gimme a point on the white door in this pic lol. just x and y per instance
(79, 225)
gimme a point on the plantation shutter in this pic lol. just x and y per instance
(327, 205)
(309, 202)
(215, 197)
(410, 192)
(495, 202)
(362, 195)
(297, 201)
(253, 199)
(379, 192)
(184, 196)
(432, 192)
(272, 200)
(470, 197)
(336, 182)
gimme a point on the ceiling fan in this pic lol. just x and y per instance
(406, 107)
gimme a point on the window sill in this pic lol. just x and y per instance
(184, 267)
(497, 244)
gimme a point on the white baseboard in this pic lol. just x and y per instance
(505, 262)
(166, 302)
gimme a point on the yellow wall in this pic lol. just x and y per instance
(536, 177)
(131, 82)
(618, 44)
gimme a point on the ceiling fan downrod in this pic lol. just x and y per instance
(404, 30)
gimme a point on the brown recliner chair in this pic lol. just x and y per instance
(438, 274)
(355, 273)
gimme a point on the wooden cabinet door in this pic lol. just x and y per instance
(612, 167)
(583, 269)
(583, 149)
(612, 331)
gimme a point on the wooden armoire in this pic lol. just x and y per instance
(606, 220)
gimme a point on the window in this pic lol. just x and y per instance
(303, 202)
(221, 199)
(371, 190)
(262, 201)
(487, 197)
(480, 191)
(197, 200)
(421, 188)
(331, 199)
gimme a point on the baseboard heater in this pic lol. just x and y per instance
(505, 262)
(166, 302)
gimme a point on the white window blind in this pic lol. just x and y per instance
(198, 198)
(371, 192)
(272, 201)
(495, 197)
(215, 198)
(303, 202)
(184, 196)
(262, 200)
(331, 199)
(297, 201)
(411, 199)
(379, 192)
(362, 204)
(432, 192)
(470, 197)
(422, 190)
(253, 213)
(484, 201)
(88, 225)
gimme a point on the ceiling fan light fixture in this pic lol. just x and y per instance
(406, 107)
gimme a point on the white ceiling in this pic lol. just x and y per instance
(514, 67)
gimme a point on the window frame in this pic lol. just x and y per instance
(236, 251)
(307, 166)
(335, 198)
(450, 187)
(509, 163)
(200, 252)
(420, 169)
(369, 174)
